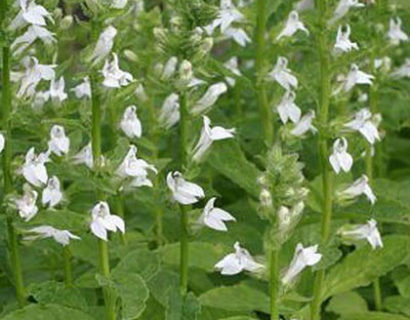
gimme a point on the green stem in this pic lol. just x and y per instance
(68, 276)
(274, 284)
(323, 111)
(120, 211)
(264, 110)
(377, 295)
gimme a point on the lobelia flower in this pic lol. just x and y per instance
(130, 124)
(359, 187)
(366, 124)
(343, 42)
(340, 159)
(2, 142)
(62, 237)
(302, 258)
(58, 144)
(215, 218)
(227, 15)
(26, 205)
(85, 156)
(103, 221)
(169, 68)
(238, 35)
(403, 71)
(232, 66)
(183, 192)
(56, 92)
(34, 170)
(287, 108)
(395, 34)
(52, 194)
(303, 5)
(30, 13)
(304, 124)
(119, 4)
(169, 115)
(83, 89)
(114, 77)
(33, 33)
(287, 216)
(383, 63)
(208, 136)
(135, 168)
(293, 24)
(343, 7)
(237, 262)
(209, 98)
(104, 45)
(366, 231)
(282, 75)
(355, 76)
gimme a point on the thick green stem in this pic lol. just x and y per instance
(274, 284)
(68, 276)
(264, 110)
(323, 112)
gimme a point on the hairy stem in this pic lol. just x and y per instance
(68, 276)
(274, 284)
(264, 110)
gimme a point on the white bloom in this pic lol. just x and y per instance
(355, 76)
(232, 66)
(59, 143)
(104, 44)
(56, 92)
(238, 35)
(287, 108)
(383, 63)
(293, 24)
(303, 5)
(83, 89)
(343, 7)
(169, 114)
(343, 42)
(169, 68)
(2, 142)
(130, 124)
(52, 194)
(208, 136)
(287, 216)
(61, 236)
(403, 71)
(215, 218)
(114, 77)
(227, 15)
(26, 205)
(302, 258)
(119, 4)
(103, 220)
(30, 13)
(183, 191)
(359, 187)
(237, 262)
(33, 33)
(366, 231)
(395, 34)
(366, 124)
(209, 98)
(340, 159)
(282, 75)
(85, 156)
(304, 124)
(34, 170)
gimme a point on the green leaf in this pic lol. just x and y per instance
(374, 316)
(364, 265)
(47, 312)
(397, 304)
(182, 308)
(346, 303)
(239, 318)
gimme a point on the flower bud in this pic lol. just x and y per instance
(66, 22)
(185, 72)
(265, 198)
(130, 55)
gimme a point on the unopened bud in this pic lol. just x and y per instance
(185, 72)
(265, 198)
(130, 55)
(66, 22)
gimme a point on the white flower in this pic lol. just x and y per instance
(304, 124)
(237, 262)
(343, 42)
(208, 136)
(366, 231)
(209, 98)
(104, 45)
(238, 35)
(135, 168)
(302, 258)
(30, 13)
(366, 124)
(227, 15)
(34, 170)
(114, 77)
(287, 216)
(130, 124)
(232, 66)
(52, 194)
(355, 76)
(282, 75)
(2, 142)
(59, 143)
(293, 24)
(83, 89)
(56, 92)
(26, 205)
(103, 220)
(33, 33)
(169, 68)
(183, 191)
(119, 4)
(303, 5)
(61, 236)
(403, 71)
(215, 218)
(395, 34)
(287, 108)
(340, 159)
(359, 187)
(85, 156)
(343, 7)
(169, 115)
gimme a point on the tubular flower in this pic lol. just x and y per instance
(34, 169)
(366, 231)
(30, 13)
(130, 124)
(26, 205)
(85, 156)
(209, 98)
(304, 124)
(340, 159)
(62, 237)
(282, 75)
(215, 218)
(33, 33)
(169, 115)
(103, 221)
(114, 77)
(357, 188)
(83, 89)
(343, 7)
(59, 143)
(52, 194)
(104, 45)
(287, 108)
(366, 124)
(395, 34)
(293, 24)
(356, 76)
(343, 42)
(184, 192)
